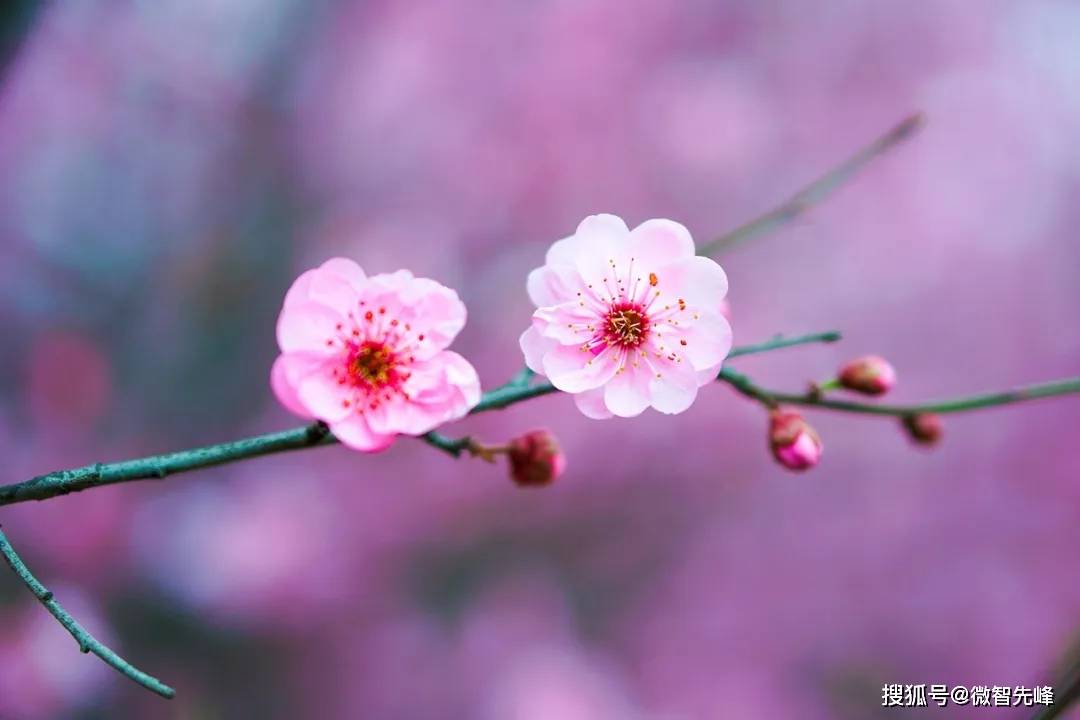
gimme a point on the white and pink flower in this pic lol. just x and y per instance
(367, 355)
(627, 319)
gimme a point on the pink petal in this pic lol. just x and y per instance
(430, 309)
(552, 285)
(674, 391)
(306, 327)
(708, 340)
(708, 375)
(440, 390)
(600, 239)
(336, 283)
(628, 393)
(324, 397)
(346, 269)
(354, 432)
(657, 243)
(591, 404)
(572, 370)
(461, 374)
(567, 323)
(285, 375)
(562, 252)
(603, 229)
(534, 346)
(698, 280)
(298, 291)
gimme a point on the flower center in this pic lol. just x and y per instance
(373, 365)
(626, 324)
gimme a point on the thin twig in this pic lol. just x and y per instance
(818, 190)
(87, 642)
(1030, 392)
(453, 446)
(161, 466)
(63, 482)
(780, 342)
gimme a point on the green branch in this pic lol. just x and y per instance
(817, 191)
(87, 642)
(158, 467)
(772, 398)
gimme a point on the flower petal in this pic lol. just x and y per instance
(591, 404)
(336, 283)
(572, 370)
(429, 308)
(597, 240)
(354, 432)
(657, 243)
(307, 327)
(549, 285)
(461, 374)
(345, 269)
(534, 346)
(324, 397)
(673, 386)
(569, 323)
(627, 395)
(699, 281)
(285, 375)
(703, 341)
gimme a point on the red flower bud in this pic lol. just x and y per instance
(535, 459)
(923, 428)
(870, 375)
(793, 442)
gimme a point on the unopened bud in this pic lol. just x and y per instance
(923, 428)
(535, 459)
(870, 375)
(794, 444)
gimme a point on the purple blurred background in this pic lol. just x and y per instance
(170, 167)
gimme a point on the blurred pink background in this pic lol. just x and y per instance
(170, 167)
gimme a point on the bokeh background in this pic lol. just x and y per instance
(169, 168)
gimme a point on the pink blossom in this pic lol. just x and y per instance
(870, 375)
(627, 319)
(794, 444)
(924, 428)
(536, 459)
(367, 356)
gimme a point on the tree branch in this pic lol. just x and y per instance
(87, 642)
(1022, 394)
(817, 191)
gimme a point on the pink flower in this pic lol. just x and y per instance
(870, 375)
(627, 319)
(535, 458)
(924, 428)
(793, 442)
(366, 355)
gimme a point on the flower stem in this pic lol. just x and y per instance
(779, 342)
(1030, 392)
(87, 642)
(817, 191)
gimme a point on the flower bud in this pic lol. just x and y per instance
(870, 375)
(923, 428)
(535, 459)
(793, 442)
